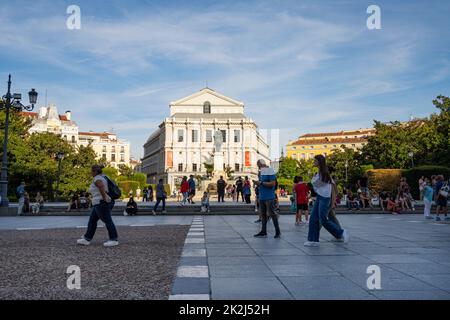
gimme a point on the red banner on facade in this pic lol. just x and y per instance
(248, 161)
(169, 159)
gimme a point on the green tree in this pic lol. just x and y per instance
(229, 172)
(125, 170)
(306, 169)
(288, 168)
(337, 164)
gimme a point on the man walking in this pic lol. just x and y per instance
(21, 197)
(160, 197)
(266, 183)
(221, 184)
(191, 182)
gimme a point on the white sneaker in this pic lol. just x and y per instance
(111, 243)
(345, 236)
(83, 242)
(153, 212)
(311, 244)
(256, 210)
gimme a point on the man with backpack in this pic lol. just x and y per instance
(104, 191)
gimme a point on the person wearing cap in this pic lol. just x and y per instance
(266, 184)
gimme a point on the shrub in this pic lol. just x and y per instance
(384, 179)
(414, 174)
(127, 186)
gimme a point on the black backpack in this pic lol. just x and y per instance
(113, 190)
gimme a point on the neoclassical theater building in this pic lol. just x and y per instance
(184, 141)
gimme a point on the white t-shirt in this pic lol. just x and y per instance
(323, 189)
(95, 191)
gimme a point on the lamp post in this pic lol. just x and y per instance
(59, 156)
(411, 155)
(8, 102)
(346, 171)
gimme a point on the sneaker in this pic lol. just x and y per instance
(277, 236)
(258, 221)
(345, 236)
(256, 210)
(437, 219)
(111, 243)
(260, 235)
(83, 242)
(153, 212)
(192, 202)
(428, 217)
(337, 240)
(447, 218)
(311, 244)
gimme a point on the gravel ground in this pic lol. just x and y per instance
(33, 263)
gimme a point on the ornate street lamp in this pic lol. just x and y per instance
(11, 101)
(346, 171)
(411, 155)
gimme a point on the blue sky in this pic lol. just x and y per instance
(299, 66)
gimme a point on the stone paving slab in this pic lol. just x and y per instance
(285, 269)
(222, 260)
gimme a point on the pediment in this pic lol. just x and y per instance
(207, 94)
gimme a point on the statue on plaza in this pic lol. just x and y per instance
(218, 140)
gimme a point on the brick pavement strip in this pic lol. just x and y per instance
(143, 266)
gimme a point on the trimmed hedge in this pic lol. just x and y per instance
(127, 186)
(389, 179)
(414, 174)
(384, 179)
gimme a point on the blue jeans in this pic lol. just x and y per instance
(319, 218)
(158, 200)
(102, 212)
(350, 204)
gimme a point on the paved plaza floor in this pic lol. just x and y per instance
(222, 260)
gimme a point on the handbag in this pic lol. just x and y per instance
(444, 191)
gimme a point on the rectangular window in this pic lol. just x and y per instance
(237, 167)
(180, 167)
(113, 149)
(104, 149)
(122, 149)
(113, 157)
(237, 136)
(104, 156)
(194, 135)
(122, 158)
(180, 135)
(194, 167)
(208, 135)
(224, 135)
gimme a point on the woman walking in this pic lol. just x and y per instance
(184, 189)
(322, 184)
(101, 210)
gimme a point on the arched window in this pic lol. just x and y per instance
(207, 107)
(73, 139)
